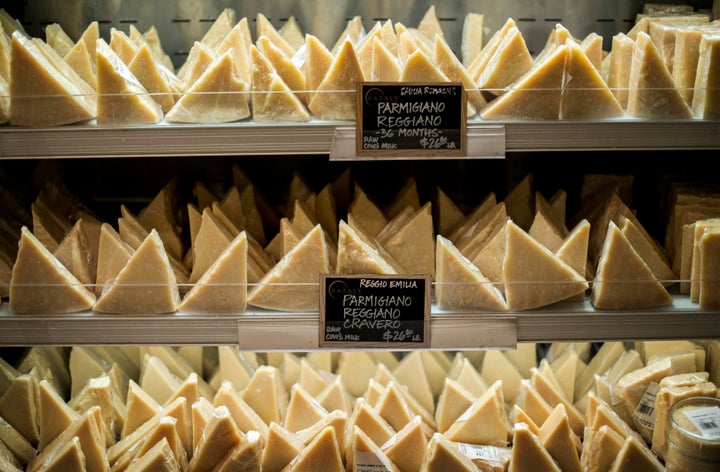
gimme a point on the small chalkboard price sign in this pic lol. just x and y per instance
(385, 311)
(411, 119)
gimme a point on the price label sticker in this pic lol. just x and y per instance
(706, 420)
(644, 413)
(386, 311)
(411, 119)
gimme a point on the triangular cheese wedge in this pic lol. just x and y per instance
(488, 410)
(472, 40)
(705, 99)
(18, 406)
(237, 42)
(536, 95)
(646, 250)
(548, 388)
(363, 452)
(406, 197)
(520, 202)
(220, 436)
(158, 458)
(557, 437)
(574, 249)
(281, 447)
(356, 369)
(335, 397)
(313, 379)
(478, 64)
(157, 379)
(284, 67)
(357, 255)
(121, 97)
(528, 452)
(430, 24)
(370, 422)
(122, 45)
(364, 48)
(419, 67)
(367, 212)
(165, 431)
(283, 288)
(337, 420)
(323, 453)
(619, 262)
(487, 226)
(413, 374)
(272, 99)
(139, 290)
(140, 408)
(451, 66)
(353, 31)
(292, 33)
(76, 253)
(393, 408)
(384, 66)
(407, 447)
(449, 214)
(243, 415)
(452, 403)
(303, 410)
(57, 39)
(52, 289)
(557, 37)
(234, 367)
(265, 28)
(635, 455)
(160, 214)
(585, 94)
(545, 229)
(605, 447)
(253, 218)
(99, 392)
(520, 416)
(154, 77)
(547, 279)
(49, 227)
(212, 239)
(335, 96)
(80, 60)
(413, 245)
(496, 366)
(621, 59)
(53, 414)
(317, 63)
(198, 60)
(443, 455)
(217, 96)
(223, 287)
(461, 285)
(652, 92)
(509, 63)
(469, 378)
(41, 95)
(69, 457)
(113, 255)
(591, 45)
(220, 28)
(152, 39)
(265, 393)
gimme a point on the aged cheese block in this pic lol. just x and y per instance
(137, 289)
(317, 63)
(510, 61)
(217, 96)
(496, 366)
(574, 249)
(246, 457)
(635, 456)
(468, 223)
(472, 37)
(322, 454)
(550, 392)
(121, 97)
(68, 458)
(659, 265)
(244, 416)
(49, 227)
(370, 422)
(159, 81)
(473, 242)
(686, 56)
(567, 367)
(706, 98)
(40, 284)
(430, 24)
(335, 397)
(592, 47)
(529, 453)
(76, 253)
(535, 95)
(223, 287)
(220, 436)
(364, 48)
(461, 285)
(160, 214)
(220, 28)
(272, 99)
(419, 67)
(533, 275)
(87, 430)
(290, 73)
(407, 447)
(265, 28)
(337, 420)
(313, 379)
(356, 369)
(652, 91)
(414, 373)
(556, 436)
(489, 411)
(359, 254)
(453, 69)
(212, 239)
(366, 212)
(442, 455)
(334, 98)
(469, 378)
(585, 94)
(280, 448)
(623, 279)
(157, 379)
(40, 93)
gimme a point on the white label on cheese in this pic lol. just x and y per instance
(706, 420)
(491, 454)
(371, 462)
(644, 414)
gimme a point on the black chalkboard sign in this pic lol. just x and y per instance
(411, 119)
(387, 311)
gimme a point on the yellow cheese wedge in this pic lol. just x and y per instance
(520, 202)
(281, 447)
(85, 364)
(606, 445)
(620, 65)
(605, 358)
(18, 406)
(122, 45)
(272, 99)
(519, 416)
(557, 37)
(159, 81)
(592, 47)
(353, 31)
(303, 410)
(363, 452)
(286, 287)
(54, 415)
(335, 396)
(407, 447)
(574, 249)
(686, 56)
(536, 95)
(452, 290)
(265, 393)
(430, 24)
(220, 436)
(211, 240)
(393, 408)
(524, 357)
(364, 48)
(140, 408)
(152, 39)
(58, 39)
(529, 453)
(121, 97)
(635, 455)
(556, 436)
(356, 369)
(705, 102)
(265, 28)
(8, 461)
(51, 290)
(48, 226)
(42, 95)
(358, 254)
(223, 287)
(510, 61)
(415, 371)
(16, 443)
(160, 214)
(246, 457)
(334, 98)
(370, 422)
(159, 458)
(453, 69)
(199, 59)
(99, 392)
(336, 420)
(471, 379)
(323, 453)
(312, 379)
(619, 262)
(244, 416)
(200, 414)
(413, 245)
(374, 391)
(317, 63)
(79, 59)
(585, 94)
(449, 214)
(473, 218)
(165, 431)
(526, 260)
(549, 390)
(442, 454)
(652, 90)
(532, 403)
(452, 403)
(76, 254)
(217, 96)
(91, 440)
(384, 66)
(545, 229)
(488, 410)
(157, 380)
(419, 67)
(478, 64)
(292, 33)
(139, 290)
(69, 458)
(234, 367)
(219, 28)
(489, 257)
(366, 212)
(472, 37)
(645, 249)
(496, 366)
(237, 42)
(284, 67)
(487, 226)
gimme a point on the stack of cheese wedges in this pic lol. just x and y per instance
(562, 406)
(662, 68)
(222, 253)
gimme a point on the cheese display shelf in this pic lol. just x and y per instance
(263, 330)
(318, 138)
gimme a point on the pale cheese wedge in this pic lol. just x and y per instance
(334, 98)
(452, 403)
(453, 69)
(603, 360)
(18, 446)
(488, 410)
(652, 92)
(545, 228)
(605, 447)
(449, 214)
(520, 202)
(220, 436)
(157, 379)
(364, 48)
(620, 65)
(49, 227)
(220, 28)
(535, 95)
(265, 393)
(336, 420)
(686, 57)
(393, 408)
(246, 457)
(151, 37)
(237, 42)
(489, 257)
(359, 254)
(370, 422)
(58, 39)
(412, 245)
(121, 97)
(574, 249)
(290, 284)
(317, 62)
(442, 455)
(323, 453)
(8, 460)
(585, 94)
(384, 66)
(478, 64)
(471, 379)
(54, 415)
(363, 452)
(557, 37)
(265, 28)
(243, 415)
(486, 227)
(645, 249)
(292, 33)
(290, 73)
(556, 435)
(414, 373)
(519, 415)
(472, 40)
(79, 59)
(159, 458)
(335, 397)
(272, 99)
(165, 432)
(529, 453)
(280, 448)
(198, 60)
(706, 100)
(461, 285)
(467, 224)
(217, 96)
(353, 32)
(407, 447)
(635, 455)
(122, 45)
(211, 240)
(496, 366)
(367, 212)
(303, 410)
(623, 279)
(140, 408)
(200, 414)
(532, 403)
(547, 387)
(159, 81)
(524, 357)
(707, 287)
(510, 61)
(534, 276)
(99, 392)
(592, 47)
(18, 406)
(356, 369)
(69, 458)
(76, 253)
(313, 379)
